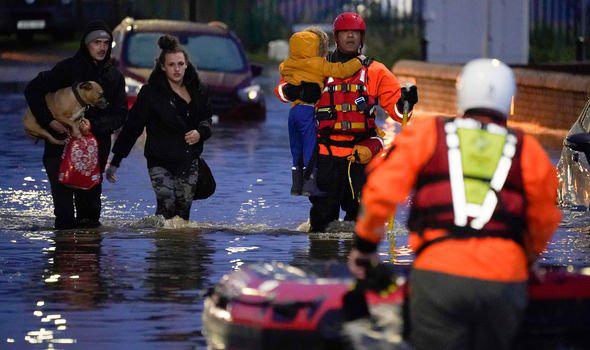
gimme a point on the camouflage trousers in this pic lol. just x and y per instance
(174, 194)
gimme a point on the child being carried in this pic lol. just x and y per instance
(307, 64)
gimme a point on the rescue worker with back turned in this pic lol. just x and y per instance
(483, 209)
(345, 114)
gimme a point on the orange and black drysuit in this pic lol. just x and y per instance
(459, 269)
(345, 115)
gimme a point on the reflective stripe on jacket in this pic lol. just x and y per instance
(345, 126)
(381, 85)
(345, 106)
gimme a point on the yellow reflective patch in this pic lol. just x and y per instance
(480, 154)
(475, 191)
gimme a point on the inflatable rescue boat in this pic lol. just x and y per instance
(279, 306)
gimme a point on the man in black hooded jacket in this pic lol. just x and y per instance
(91, 62)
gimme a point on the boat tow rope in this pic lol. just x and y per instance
(350, 179)
(406, 109)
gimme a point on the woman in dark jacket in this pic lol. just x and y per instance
(173, 107)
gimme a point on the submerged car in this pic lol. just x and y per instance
(215, 51)
(574, 164)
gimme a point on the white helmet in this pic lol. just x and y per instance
(485, 83)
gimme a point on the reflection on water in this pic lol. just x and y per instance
(177, 265)
(574, 179)
(74, 268)
(139, 281)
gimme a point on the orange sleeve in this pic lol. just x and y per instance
(392, 177)
(540, 184)
(384, 85)
(340, 70)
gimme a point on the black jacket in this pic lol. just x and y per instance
(157, 110)
(82, 67)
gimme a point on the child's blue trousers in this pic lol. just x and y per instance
(302, 134)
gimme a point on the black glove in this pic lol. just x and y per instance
(310, 92)
(410, 94)
(292, 92)
(306, 92)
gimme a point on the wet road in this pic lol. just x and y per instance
(136, 283)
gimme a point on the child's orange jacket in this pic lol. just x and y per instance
(304, 64)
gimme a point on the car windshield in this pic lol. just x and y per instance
(207, 52)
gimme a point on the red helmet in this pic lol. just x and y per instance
(349, 21)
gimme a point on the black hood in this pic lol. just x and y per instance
(338, 56)
(158, 77)
(92, 26)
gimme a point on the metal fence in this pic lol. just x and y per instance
(558, 28)
(259, 21)
(566, 17)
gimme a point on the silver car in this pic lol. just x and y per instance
(574, 164)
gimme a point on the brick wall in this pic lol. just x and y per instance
(547, 99)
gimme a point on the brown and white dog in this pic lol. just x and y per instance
(67, 106)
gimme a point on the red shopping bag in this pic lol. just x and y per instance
(79, 163)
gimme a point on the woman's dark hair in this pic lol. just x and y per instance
(169, 44)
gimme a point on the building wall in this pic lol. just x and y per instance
(546, 99)
(459, 30)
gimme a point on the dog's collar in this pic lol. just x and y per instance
(77, 95)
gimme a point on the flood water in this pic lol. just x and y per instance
(138, 285)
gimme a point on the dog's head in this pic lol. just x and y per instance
(91, 93)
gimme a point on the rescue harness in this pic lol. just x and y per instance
(345, 114)
(480, 210)
(482, 174)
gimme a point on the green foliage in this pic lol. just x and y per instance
(392, 36)
(259, 32)
(388, 48)
(260, 56)
(386, 41)
(549, 46)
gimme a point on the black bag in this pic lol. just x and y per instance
(205, 182)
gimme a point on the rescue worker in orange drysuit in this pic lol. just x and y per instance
(307, 63)
(483, 209)
(345, 117)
